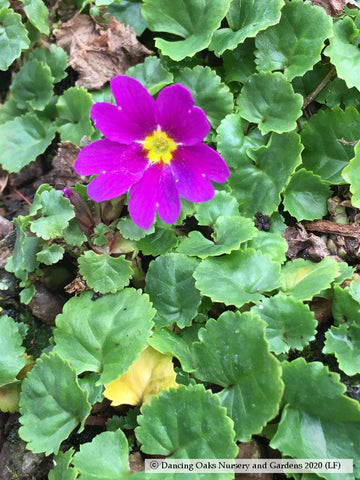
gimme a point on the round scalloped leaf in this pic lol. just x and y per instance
(271, 243)
(344, 52)
(290, 323)
(56, 212)
(105, 457)
(33, 85)
(238, 278)
(344, 343)
(239, 63)
(294, 45)
(351, 174)
(344, 306)
(193, 20)
(305, 196)
(73, 108)
(194, 436)
(178, 301)
(262, 174)
(131, 231)
(263, 96)
(229, 233)
(209, 93)
(233, 353)
(54, 57)
(234, 140)
(38, 15)
(103, 273)
(302, 279)
(152, 74)
(13, 37)
(159, 242)
(62, 470)
(11, 350)
(50, 254)
(51, 404)
(318, 408)
(105, 335)
(327, 138)
(223, 204)
(246, 18)
(22, 140)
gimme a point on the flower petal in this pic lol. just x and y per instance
(144, 197)
(156, 189)
(137, 105)
(191, 184)
(177, 116)
(111, 185)
(206, 161)
(107, 156)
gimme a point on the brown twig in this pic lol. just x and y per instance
(326, 226)
(22, 196)
(311, 97)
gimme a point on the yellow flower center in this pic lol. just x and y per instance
(159, 147)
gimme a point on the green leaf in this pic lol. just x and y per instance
(302, 279)
(336, 93)
(344, 343)
(103, 273)
(73, 108)
(263, 96)
(318, 408)
(233, 353)
(131, 231)
(38, 14)
(13, 37)
(229, 233)
(27, 294)
(239, 63)
(325, 153)
(262, 174)
(294, 45)
(54, 57)
(305, 197)
(105, 335)
(56, 212)
(246, 18)
(238, 278)
(33, 85)
(11, 350)
(344, 52)
(351, 175)
(209, 93)
(344, 306)
(235, 138)
(171, 287)
(62, 471)
(50, 254)
(129, 12)
(105, 457)
(193, 436)
(178, 344)
(222, 204)
(193, 20)
(73, 235)
(290, 323)
(22, 140)
(159, 242)
(51, 404)
(270, 243)
(9, 111)
(152, 74)
(23, 260)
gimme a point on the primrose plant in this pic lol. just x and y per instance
(212, 292)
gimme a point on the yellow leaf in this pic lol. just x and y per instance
(147, 376)
(9, 395)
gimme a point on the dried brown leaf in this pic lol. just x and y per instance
(305, 245)
(335, 7)
(98, 54)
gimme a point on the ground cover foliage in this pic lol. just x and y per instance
(240, 323)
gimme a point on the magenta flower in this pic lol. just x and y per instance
(154, 149)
